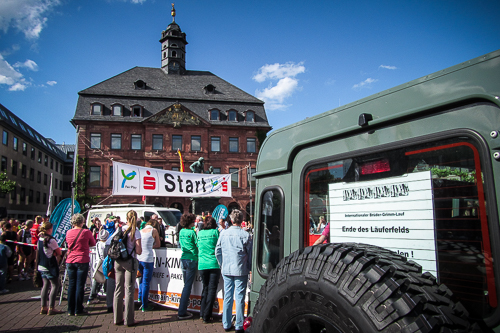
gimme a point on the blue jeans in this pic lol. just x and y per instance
(237, 286)
(189, 268)
(77, 276)
(210, 279)
(146, 269)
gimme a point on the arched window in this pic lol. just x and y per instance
(250, 116)
(232, 115)
(214, 114)
(117, 110)
(174, 54)
(96, 109)
(136, 111)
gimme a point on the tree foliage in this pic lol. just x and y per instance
(6, 185)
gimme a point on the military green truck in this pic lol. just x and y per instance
(408, 182)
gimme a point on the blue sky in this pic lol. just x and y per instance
(302, 58)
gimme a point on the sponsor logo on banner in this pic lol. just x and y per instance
(130, 176)
(142, 181)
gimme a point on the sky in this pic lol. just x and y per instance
(301, 57)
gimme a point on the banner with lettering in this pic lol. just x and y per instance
(61, 219)
(136, 180)
(167, 283)
(395, 213)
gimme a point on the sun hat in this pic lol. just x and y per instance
(103, 234)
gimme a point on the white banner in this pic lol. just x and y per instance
(167, 282)
(136, 180)
(394, 213)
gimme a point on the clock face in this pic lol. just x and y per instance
(173, 66)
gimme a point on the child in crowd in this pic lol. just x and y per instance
(101, 254)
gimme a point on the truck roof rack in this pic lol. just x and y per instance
(121, 205)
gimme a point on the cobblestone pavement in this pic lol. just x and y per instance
(19, 312)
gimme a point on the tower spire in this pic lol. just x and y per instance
(172, 12)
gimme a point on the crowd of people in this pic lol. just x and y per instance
(18, 258)
(210, 248)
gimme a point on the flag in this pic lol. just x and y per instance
(181, 161)
(61, 219)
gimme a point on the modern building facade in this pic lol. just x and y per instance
(144, 116)
(34, 163)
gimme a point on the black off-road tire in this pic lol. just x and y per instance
(355, 288)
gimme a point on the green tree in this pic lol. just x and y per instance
(6, 185)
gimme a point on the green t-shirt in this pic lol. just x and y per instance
(187, 239)
(207, 240)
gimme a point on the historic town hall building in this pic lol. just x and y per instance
(144, 115)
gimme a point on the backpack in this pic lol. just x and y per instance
(114, 251)
(108, 269)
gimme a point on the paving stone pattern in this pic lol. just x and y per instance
(19, 312)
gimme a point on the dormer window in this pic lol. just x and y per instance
(250, 116)
(214, 114)
(96, 109)
(117, 110)
(232, 115)
(139, 84)
(136, 111)
(209, 89)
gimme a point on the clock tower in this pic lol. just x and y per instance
(173, 48)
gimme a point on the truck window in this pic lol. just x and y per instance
(425, 201)
(270, 230)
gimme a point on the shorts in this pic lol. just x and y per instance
(47, 275)
(11, 259)
(27, 250)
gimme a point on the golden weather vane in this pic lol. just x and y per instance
(172, 12)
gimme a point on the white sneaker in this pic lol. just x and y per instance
(4, 291)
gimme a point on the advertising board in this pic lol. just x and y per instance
(167, 282)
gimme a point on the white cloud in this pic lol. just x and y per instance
(11, 77)
(29, 64)
(275, 95)
(51, 83)
(279, 71)
(27, 16)
(387, 67)
(17, 87)
(366, 82)
(330, 82)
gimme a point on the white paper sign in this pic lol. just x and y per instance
(394, 213)
(136, 180)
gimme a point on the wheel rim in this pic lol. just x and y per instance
(310, 323)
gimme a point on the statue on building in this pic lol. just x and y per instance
(210, 170)
(198, 166)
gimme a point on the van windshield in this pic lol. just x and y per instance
(170, 217)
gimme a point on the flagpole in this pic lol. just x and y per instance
(50, 194)
(73, 183)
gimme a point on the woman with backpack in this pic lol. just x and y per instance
(126, 270)
(49, 255)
